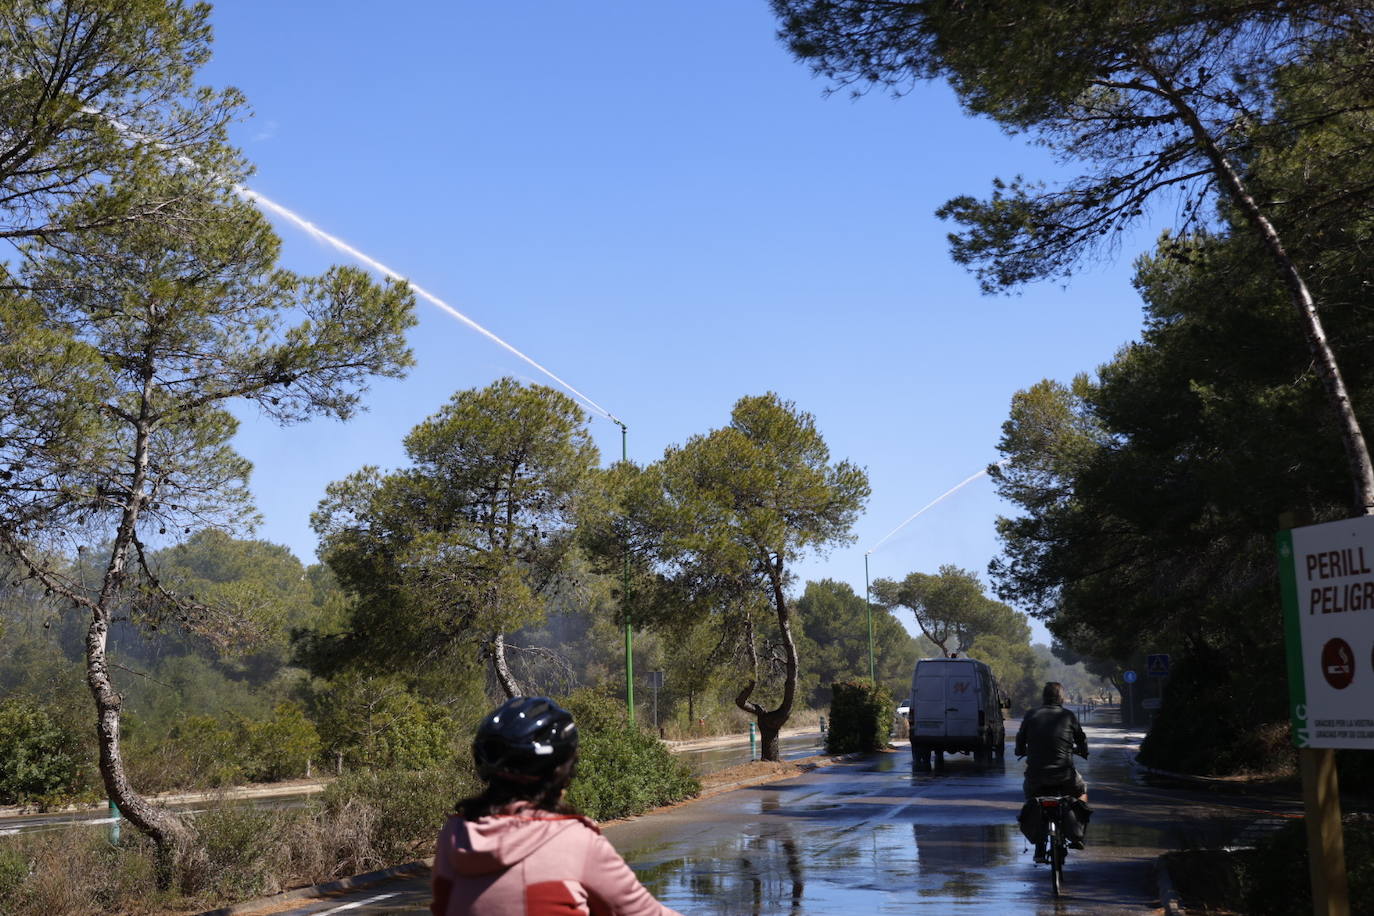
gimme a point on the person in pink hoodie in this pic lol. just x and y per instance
(517, 849)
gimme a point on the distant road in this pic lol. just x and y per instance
(706, 756)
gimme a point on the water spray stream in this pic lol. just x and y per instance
(267, 203)
(932, 504)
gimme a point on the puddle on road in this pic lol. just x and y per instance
(775, 867)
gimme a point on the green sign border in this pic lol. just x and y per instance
(1292, 637)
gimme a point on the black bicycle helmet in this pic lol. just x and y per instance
(524, 739)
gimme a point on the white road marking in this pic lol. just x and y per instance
(351, 906)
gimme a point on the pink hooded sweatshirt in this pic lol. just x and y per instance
(533, 863)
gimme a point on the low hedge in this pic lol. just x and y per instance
(860, 717)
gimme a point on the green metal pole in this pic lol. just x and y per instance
(868, 600)
(625, 606)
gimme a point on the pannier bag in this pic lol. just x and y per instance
(1032, 821)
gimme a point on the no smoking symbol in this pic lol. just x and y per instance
(1338, 663)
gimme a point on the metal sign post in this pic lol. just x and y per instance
(656, 682)
(1129, 677)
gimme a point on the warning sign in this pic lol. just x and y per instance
(1327, 576)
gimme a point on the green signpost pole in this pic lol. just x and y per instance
(868, 601)
(625, 607)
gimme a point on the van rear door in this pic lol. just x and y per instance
(961, 699)
(928, 710)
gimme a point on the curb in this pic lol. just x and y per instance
(320, 890)
(1168, 896)
(1216, 782)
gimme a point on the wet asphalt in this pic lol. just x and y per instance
(869, 836)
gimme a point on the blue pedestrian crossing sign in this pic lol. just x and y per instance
(1157, 665)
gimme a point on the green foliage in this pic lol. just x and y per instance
(622, 770)
(1150, 97)
(379, 722)
(860, 717)
(712, 528)
(467, 543)
(14, 868)
(1016, 667)
(134, 63)
(833, 642)
(41, 754)
(1221, 717)
(207, 751)
(951, 609)
(279, 747)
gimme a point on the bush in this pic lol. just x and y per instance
(1220, 715)
(279, 747)
(378, 722)
(403, 809)
(241, 848)
(14, 868)
(622, 770)
(1272, 879)
(40, 754)
(1276, 873)
(860, 717)
(76, 874)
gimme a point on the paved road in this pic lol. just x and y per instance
(869, 836)
(712, 759)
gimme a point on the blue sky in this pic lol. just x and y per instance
(656, 202)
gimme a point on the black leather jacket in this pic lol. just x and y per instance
(1048, 739)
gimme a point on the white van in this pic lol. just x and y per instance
(957, 707)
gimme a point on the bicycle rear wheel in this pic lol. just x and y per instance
(1057, 862)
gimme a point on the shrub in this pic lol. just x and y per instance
(378, 722)
(1220, 716)
(279, 747)
(1276, 873)
(40, 754)
(206, 751)
(241, 846)
(860, 717)
(14, 868)
(403, 809)
(76, 874)
(621, 770)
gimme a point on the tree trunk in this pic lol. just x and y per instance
(502, 668)
(770, 746)
(172, 836)
(1352, 437)
(770, 722)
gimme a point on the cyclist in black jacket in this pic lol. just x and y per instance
(1049, 737)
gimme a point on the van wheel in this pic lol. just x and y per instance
(999, 750)
(920, 758)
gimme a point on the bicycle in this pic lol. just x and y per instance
(1053, 809)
